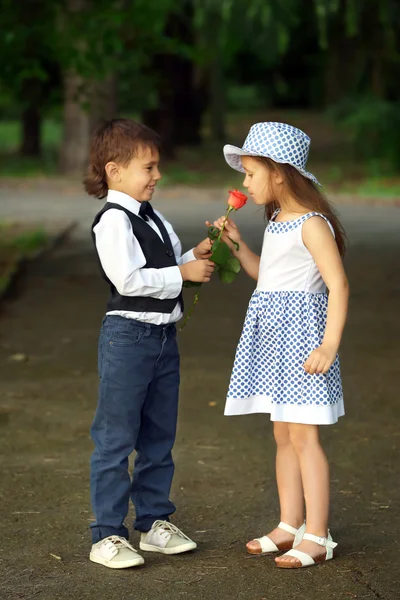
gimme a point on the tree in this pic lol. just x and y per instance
(359, 41)
(104, 35)
(28, 68)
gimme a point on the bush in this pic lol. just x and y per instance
(374, 125)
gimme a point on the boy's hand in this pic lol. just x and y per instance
(199, 271)
(320, 360)
(203, 250)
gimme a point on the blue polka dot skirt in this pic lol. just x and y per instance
(281, 330)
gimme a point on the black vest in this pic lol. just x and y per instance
(158, 254)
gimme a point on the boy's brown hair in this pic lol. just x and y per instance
(118, 140)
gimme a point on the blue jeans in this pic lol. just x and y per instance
(137, 410)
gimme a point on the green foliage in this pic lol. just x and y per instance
(13, 165)
(232, 264)
(374, 125)
(226, 276)
(24, 242)
(354, 15)
(252, 42)
(177, 175)
(10, 135)
(245, 98)
(28, 42)
(30, 241)
(220, 253)
(228, 271)
(16, 245)
(232, 26)
(227, 266)
(93, 38)
(213, 233)
(234, 243)
(108, 31)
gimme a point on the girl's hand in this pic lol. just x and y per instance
(203, 250)
(320, 360)
(231, 232)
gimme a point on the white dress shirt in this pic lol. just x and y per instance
(123, 260)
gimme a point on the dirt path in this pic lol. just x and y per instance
(224, 485)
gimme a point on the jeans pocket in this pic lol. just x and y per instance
(124, 338)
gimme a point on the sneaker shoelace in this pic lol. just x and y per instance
(117, 542)
(166, 528)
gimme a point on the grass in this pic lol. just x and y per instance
(10, 134)
(332, 157)
(17, 243)
(13, 165)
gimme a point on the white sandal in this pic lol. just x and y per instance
(267, 546)
(305, 560)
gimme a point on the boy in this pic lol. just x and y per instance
(140, 258)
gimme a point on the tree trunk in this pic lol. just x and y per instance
(178, 115)
(217, 99)
(75, 145)
(103, 101)
(214, 34)
(74, 150)
(377, 67)
(31, 132)
(162, 118)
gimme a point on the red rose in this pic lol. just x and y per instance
(237, 199)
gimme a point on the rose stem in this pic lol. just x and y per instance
(195, 301)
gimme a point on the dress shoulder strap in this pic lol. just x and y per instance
(317, 214)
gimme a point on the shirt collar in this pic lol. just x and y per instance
(123, 200)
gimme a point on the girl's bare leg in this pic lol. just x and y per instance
(315, 477)
(289, 488)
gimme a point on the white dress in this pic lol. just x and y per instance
(285, 322)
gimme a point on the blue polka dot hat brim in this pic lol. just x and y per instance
(233, 156)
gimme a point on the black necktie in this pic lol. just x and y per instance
(146, 210)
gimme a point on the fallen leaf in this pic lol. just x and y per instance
(18, 357)
(55, 556)
(26, 512)
(212, 403)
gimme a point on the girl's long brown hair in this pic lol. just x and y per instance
(307, 195)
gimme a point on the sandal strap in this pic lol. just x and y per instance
(299, 535)
(267, 545)
(305, 559)
(321, 541)
(287, 528)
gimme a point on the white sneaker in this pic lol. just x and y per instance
(115, 552)
(166, 538)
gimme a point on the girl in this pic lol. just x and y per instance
(286, 362)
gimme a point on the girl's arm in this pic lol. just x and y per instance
(318, 239)
(249, 261)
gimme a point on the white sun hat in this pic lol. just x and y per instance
(281, 142)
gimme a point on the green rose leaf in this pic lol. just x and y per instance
(213, 233)
(226, 276)
(220, 253)
(190, 284)
(234, 243)
(233, 265)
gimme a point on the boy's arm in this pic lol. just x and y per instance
(123, 260)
